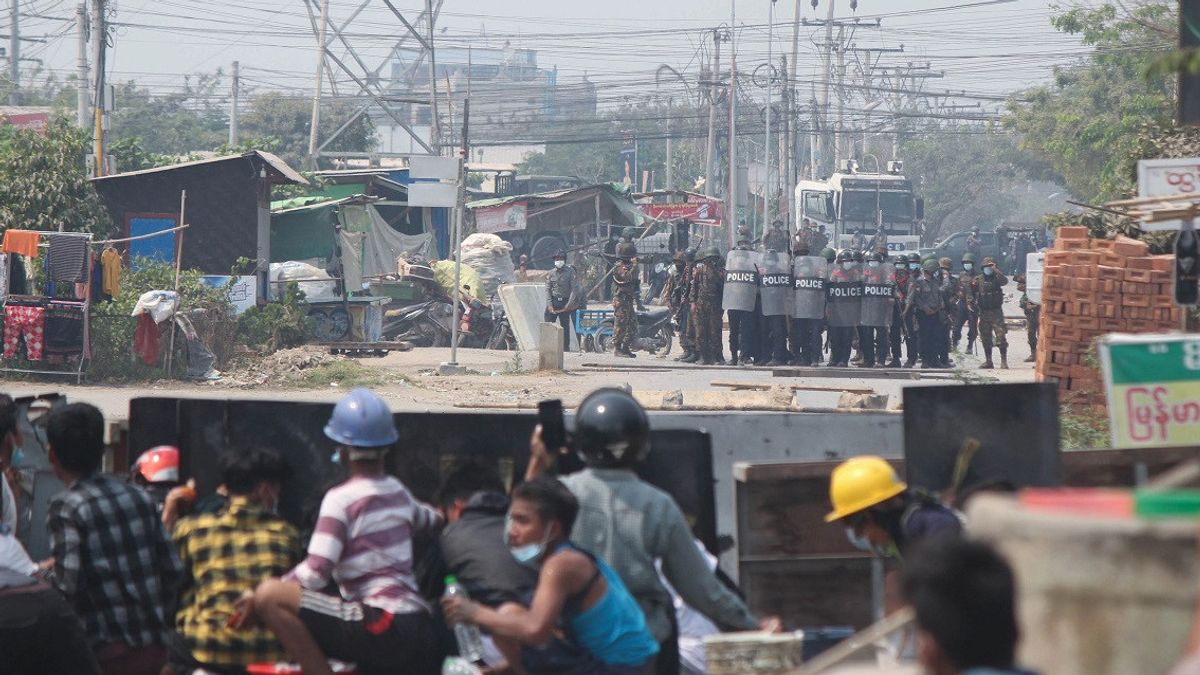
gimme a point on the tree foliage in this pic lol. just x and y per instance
(43, 181)
(188, 120)
(1084, 127)
(284, 120)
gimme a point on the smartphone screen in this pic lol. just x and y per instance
(554, 432)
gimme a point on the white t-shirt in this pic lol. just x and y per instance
(8, 506)
(13, 556)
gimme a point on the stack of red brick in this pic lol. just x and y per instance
(1091, 287)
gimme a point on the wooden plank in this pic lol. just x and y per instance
(758, 386)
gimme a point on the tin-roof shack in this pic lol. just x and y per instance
(228, 208)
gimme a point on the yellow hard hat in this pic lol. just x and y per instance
(860, 483)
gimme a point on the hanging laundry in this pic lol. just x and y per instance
(110, 260)
(64, 328)
(24, 242)
(145, 340)
(3, 277)
(98, 293)
(68, 253)
(18, 280)
(51, 289)
(28, 321)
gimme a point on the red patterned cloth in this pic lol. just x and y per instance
(28, 321)
(145, 340)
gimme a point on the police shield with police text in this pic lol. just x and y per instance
(738, 298)
(844, 308)
(878, 304)
(775, 288)
(810, 274)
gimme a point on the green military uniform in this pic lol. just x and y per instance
(708, 278)
(989, 289)
(1033, 313)
(625, 279)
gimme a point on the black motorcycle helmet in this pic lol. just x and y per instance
(876, 256)
(611, 430)
(859, 257)
(627, 251)
(914, 257)
(845, 256)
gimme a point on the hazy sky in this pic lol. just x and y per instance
(982, 47)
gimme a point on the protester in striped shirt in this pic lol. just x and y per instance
(363, 542)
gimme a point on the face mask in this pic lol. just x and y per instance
(527, 554)
(900, 267)
(18, 457)
(968, 266)
(873, 263)
(860, 543)
(914, 266)
(847, 265)
(559, 264)
(987, 271)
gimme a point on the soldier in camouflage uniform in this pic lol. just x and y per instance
(627, 290)
(989, 288)
(1033, 313)
(676, 293)
(708, 278)
(968, 304)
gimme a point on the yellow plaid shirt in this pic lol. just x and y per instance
(224, 554)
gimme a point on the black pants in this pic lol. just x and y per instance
(873, 341)
(567, 321)
(685, 332)
(775, 338)
(896, 334)
(933, 337)
(806, 340)
(39, 633)
(743, 334)
(841, 340)
(914, 336)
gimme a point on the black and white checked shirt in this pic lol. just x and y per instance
(113, 561)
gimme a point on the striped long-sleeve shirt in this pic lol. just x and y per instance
(363, 541)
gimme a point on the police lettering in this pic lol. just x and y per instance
(843, 290)
(810, 284)
(878, 290)
(737, 277)
(776, 280)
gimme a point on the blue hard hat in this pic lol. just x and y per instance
(362, 420)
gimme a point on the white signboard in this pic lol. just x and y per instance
(503, 218)
(433, 168)
(1168, 178)
(1035, 264)
(243, 292)
(432, 195)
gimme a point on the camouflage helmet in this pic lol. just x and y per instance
(968, 257)
(689, 255)
(988, 260)
(627, 250)
(710, 252)
(930, 265)
(629, 233)
(945, 262)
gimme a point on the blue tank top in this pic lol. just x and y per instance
(614, 629)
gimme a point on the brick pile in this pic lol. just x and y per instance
(1091, 287)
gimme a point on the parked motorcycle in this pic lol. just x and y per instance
(425, 324)
(655, 332)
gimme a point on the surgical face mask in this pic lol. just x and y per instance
(968, 266)
(526, 554)
(847, 265)
(873, 263)
(859, 542)
(18, 456)
(914, 266)
(987, 271)
(559, 264)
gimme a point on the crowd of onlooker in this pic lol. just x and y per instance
(592, 572)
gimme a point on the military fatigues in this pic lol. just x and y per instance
(776, 240)
(563, 294)
(968, 310)
(926, 304)
(990, 290)
(950, 302)
(707, 278)
(625, 282)
(898, 333)
(676, 293)
(1032, 314)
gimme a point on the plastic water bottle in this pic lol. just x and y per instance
(470, 643)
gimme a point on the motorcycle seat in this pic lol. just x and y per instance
(654, 315)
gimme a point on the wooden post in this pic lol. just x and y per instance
(178, 264)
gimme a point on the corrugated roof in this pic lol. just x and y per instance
(310, 203)
(271, 160)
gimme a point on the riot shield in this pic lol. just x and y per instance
(775, 284)
(879, 294)
(845, 291)
(741, 280)
(810, 274)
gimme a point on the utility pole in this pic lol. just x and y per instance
(841, 97)
(710, 155)
(732, 202)
(316, 106)
(434, 126)
(14, 53)
(81, 65)
(670, 156)
(767, 193)
(793, 137)
(828, 72)
(233, 106)
(99, 39)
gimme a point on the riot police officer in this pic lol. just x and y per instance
(844, 308)
(896, 334)
(810, 274)
(927, 304)
(740, 299)
(878, 306)
(776, 299)
(913, 335)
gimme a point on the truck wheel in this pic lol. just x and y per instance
(541, 254)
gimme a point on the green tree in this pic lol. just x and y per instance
(43, 181)
(285, 120)
(1084, 127)
(178, 123)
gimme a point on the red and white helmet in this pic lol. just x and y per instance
(159, 464)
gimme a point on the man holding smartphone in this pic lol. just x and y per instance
(631, 524)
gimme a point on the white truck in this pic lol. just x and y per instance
(849, 202)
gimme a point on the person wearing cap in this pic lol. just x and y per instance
(363, 542)
(563, 296)
(880, 512)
